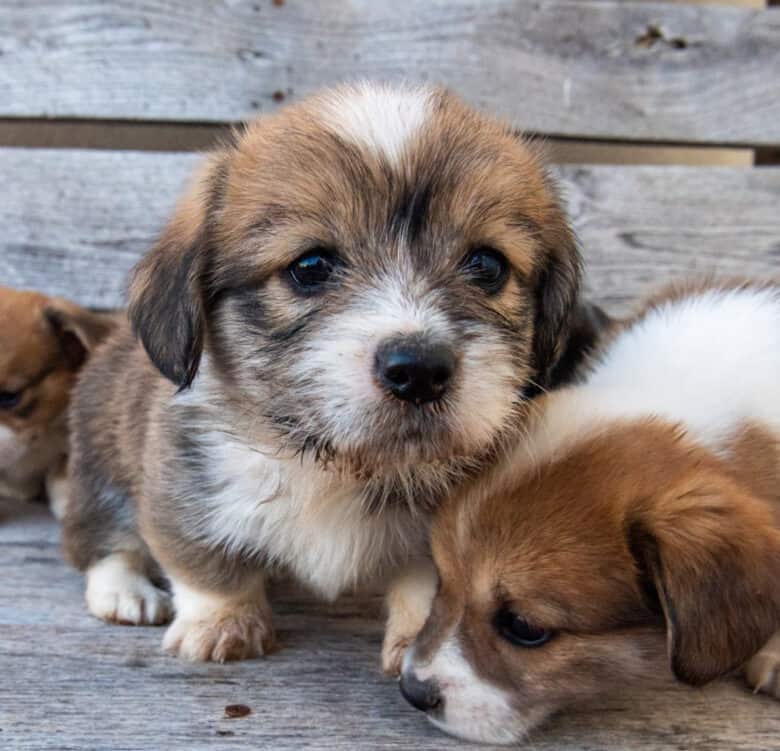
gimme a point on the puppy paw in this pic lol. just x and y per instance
(116, 593)
(58, 491)
(244, 632)
(763, 669)
(409, 599)
(393, 650)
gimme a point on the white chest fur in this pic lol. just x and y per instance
(293, 514)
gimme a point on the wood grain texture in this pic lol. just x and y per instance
(74, 222)
(590, 68)
(71, 682)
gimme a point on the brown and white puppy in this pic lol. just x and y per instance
(43, 343)
(343, 320)
(638, 526)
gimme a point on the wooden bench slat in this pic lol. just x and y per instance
(582, 68)
(74, 222)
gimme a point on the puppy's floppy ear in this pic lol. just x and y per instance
(712, 554)
(166, 306)
(589, 325)
(78, 330)
(556, 292)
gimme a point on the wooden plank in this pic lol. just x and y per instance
(588, 68)
(77, 221)
(74, 222)
(157, 136)
(70, 682)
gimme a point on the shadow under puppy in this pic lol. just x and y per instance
(343, 320)
(44, 341)
(638, 526)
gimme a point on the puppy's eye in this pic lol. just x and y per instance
(487, 267)
(518, 631)
(310, 272)
(10, 399)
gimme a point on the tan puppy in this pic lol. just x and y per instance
(342, 321)
(638, 527)
(43, 343)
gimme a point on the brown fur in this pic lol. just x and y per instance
(246, 197)
(43, 343)
(634, 534)
(753, 458)
(215, 286)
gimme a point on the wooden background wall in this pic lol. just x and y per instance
(102, 105)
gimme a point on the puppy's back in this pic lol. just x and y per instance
(706, 357)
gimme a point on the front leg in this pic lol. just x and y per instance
(220, 625)
(58, 489)
(409, 599)
(763, 669)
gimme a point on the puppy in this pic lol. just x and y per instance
(638, 526)
(342, 321)
(43, 343)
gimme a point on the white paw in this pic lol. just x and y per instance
(763, 669)
(245, 631)
(118, 594)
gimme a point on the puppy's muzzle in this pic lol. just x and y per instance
(414, 370)
(422, 695)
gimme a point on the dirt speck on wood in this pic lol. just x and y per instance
(232, 711)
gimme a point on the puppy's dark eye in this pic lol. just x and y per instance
(487, 267)
(518, 631)
(310, 272)
(10, 399)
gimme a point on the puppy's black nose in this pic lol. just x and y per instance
(422, 695)
(414, 370)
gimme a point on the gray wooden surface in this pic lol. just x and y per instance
(590, 68)
(68, 681)
(74, 222)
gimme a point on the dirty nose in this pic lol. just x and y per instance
(414, 370)
(422, 695)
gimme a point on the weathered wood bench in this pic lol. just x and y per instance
(73, 222)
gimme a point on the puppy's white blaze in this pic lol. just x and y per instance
(117, 592)
(473, 709)
(379, 117)
(709, 362)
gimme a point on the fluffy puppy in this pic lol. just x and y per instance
(639, 526)
(43, 343)
(342, 320)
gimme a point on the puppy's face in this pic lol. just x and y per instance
(33, 383)
(43, 342)
(584, 577)
(375, 274)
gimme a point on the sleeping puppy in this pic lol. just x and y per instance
(638, 526)
(43, 343)
(342, 321)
